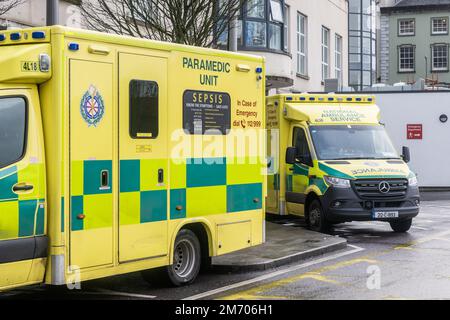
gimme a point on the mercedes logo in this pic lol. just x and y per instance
(384, 187)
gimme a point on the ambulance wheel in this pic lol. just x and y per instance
(316, 217)
(186, 259)
(401, 226)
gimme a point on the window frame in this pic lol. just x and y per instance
(299, 53)
(130, 107)
(437, 70)
(325, 64)
(399, 29)
(399, 69)
(25, 138)
(437, 33)
(340, 60)
(305, 132)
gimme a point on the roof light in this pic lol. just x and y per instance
(370, 99)
(302, 98)
(289, 99)
(15, 36)
(330, 99)
(358, 99)
(259, 70)
(349, 99)
(74, 46)
(312, 99)
(38, 35)
(2, 37)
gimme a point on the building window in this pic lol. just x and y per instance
(263, 26)
(439, 26)
(406, 27)
(287, 24)
(302, 45)
(406, 59)
(325, 53)
(143, 109)
(439, 57)
(338, 58)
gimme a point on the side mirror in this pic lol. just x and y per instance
(291, 155)
(406, 155)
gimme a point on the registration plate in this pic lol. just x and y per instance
(384, 214)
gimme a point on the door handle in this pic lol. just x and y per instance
(22, 187)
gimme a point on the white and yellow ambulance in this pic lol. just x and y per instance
(332, 161)
(118, 155)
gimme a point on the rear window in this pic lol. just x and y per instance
(13, 115)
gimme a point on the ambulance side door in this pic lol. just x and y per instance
(22, 188)
(143, 156)
(298, 174)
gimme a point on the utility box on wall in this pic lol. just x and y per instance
(418, 120)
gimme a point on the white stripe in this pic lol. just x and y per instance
(123, 294)
(274, 274)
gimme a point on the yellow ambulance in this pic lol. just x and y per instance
(332, 161)
(120, 154)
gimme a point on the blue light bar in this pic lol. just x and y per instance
(349, 99)
(2, 37)
(330, 99)
(302, 98)
(259, 70)
(312, 99)
(15, 36)
(38, 35)
(370, 99)
(358, 99)
(74, 46)
(289, 98)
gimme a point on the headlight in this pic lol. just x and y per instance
(337, 182)
(412, 181)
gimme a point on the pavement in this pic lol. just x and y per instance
(283, 246)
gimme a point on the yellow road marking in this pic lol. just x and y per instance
(408, 246)
(315, 275)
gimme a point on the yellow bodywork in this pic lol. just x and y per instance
(285, 113)
(115, 203)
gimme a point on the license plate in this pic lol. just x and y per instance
(384, 214)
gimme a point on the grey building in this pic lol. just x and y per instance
(415, 41)
(362, 43)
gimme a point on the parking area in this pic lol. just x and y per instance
(376, 264)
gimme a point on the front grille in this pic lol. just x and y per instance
(370, 188)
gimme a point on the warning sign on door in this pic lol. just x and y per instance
(414, 131)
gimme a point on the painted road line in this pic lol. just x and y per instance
(271, 275)
(423, 240)
(121, 294)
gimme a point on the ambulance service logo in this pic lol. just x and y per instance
(92, 107)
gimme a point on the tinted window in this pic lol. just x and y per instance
(143, 109)
(12, 130)
(301, 144)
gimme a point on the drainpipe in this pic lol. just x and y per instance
(52, 12)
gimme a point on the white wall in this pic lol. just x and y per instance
(32, 13)
(332, 14)
(430, 156)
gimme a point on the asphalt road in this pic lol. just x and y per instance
(378, 264)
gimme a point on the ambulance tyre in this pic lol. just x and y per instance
(187, 259)
(401, 226)
(316, 217)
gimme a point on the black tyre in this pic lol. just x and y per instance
(316, 217)
(401, 226)
(186, 262)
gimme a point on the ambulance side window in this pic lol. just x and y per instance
(301, 144)
(144, 109)
(13, 128)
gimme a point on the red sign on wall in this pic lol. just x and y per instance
(414, 132)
